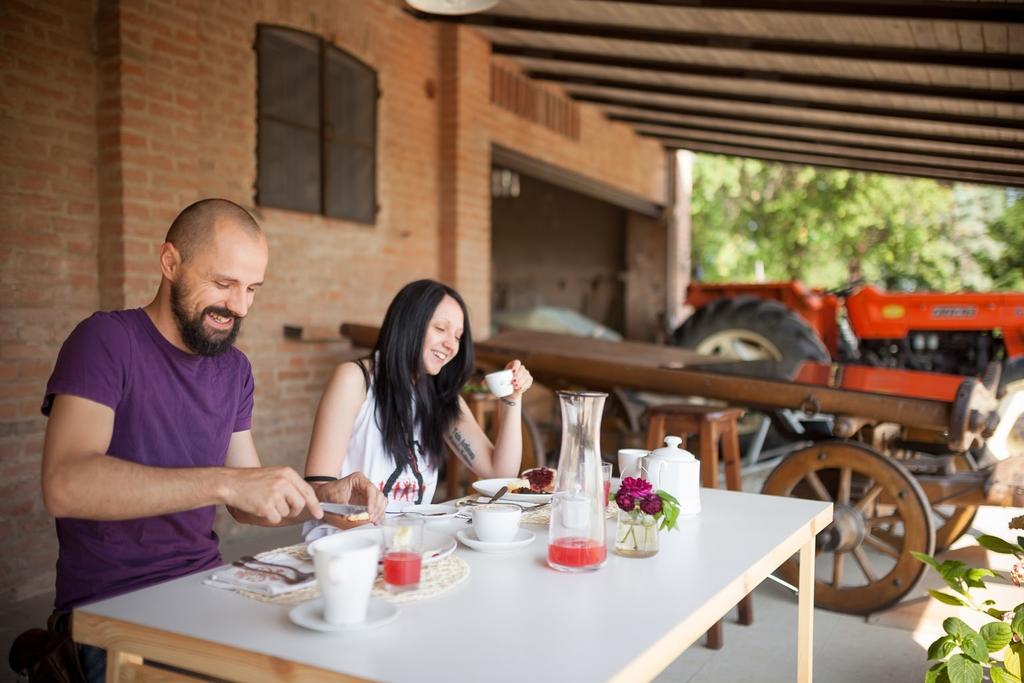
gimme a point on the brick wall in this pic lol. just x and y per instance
(115, 115)
(48, 276)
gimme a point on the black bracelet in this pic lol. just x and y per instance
(319, 478)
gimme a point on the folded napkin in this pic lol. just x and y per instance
(240, 578)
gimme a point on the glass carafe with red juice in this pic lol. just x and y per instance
(576, 540)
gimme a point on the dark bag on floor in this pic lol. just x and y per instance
(47, 656)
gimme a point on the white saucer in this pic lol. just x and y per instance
(523, 538)
(311, 615)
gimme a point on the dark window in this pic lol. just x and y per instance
(317, 139)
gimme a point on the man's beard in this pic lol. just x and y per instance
(193, 331)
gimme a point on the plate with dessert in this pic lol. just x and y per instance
(534, 485)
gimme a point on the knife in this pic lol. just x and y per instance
(344, 509)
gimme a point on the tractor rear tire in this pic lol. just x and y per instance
(1008, 439)
(748, 328)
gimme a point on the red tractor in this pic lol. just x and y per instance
(947, 333)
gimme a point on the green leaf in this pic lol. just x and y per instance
(979, 573)
(956, 627)
(997, 635)
(933, 673)
(962, 670)
(998, 545)
(1001, 676)
(974, 646)
(927, 559)
(952, 569)
(941, 648)
(947, 598)
(1013, 659)
(994, 613)
(1017, 625)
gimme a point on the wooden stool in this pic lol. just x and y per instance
(711, 426)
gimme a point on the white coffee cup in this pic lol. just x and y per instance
(496, 523)
(500, 383)
(346, 567)
(629, 461)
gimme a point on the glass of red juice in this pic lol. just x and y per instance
(403, 553)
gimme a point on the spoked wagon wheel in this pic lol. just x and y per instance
(863, 560)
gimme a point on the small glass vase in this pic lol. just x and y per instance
(636, 534)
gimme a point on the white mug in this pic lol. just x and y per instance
(496, 523)
(629, 461)
(500, 383)
(345, 567)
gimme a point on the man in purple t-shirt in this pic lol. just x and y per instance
(149, 422)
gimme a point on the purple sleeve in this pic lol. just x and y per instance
(93, 363)
(243, 421)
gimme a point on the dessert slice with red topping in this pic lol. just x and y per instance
(542, 479)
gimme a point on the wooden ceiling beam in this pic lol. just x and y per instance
(948, 10)
(834, 161)
(777, 101)
(769, 75)
(904, 134)
(644, 126)
(720, 41)
(846, 152)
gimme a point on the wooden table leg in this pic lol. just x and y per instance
(118, 662)
(805, 614)
(713, 640)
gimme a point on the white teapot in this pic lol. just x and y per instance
(675, 471)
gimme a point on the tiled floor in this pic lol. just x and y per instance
(847, 648)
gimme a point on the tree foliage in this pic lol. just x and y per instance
(827, 227)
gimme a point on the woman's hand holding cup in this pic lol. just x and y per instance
(510, 383)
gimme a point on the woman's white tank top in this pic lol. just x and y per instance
(402, 485)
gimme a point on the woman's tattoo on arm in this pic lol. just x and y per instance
(507, 401)
(462, 446)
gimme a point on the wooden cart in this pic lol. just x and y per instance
(897, 465)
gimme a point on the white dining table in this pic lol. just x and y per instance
(512, 619)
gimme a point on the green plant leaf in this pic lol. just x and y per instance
(956, 627)
(997, 635)
(994, 613)
(974, 646)
(977, 574)
(1013, 659)
(947, 598)
(1017, 625)
(998, 545)
(933, 673)
(927, 559)
(952, 569)
(941, 648)
(1002, 676)
(960, 669)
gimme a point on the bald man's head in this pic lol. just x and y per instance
(194, 228)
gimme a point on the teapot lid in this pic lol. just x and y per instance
(672, 451)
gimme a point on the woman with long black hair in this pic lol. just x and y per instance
(390, 414)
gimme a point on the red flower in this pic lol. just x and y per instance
(625, 501)
(636, 487)
(651, 504)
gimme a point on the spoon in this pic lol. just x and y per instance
(501, 492)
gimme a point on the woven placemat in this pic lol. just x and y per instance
(543, 516)
(436, 578)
